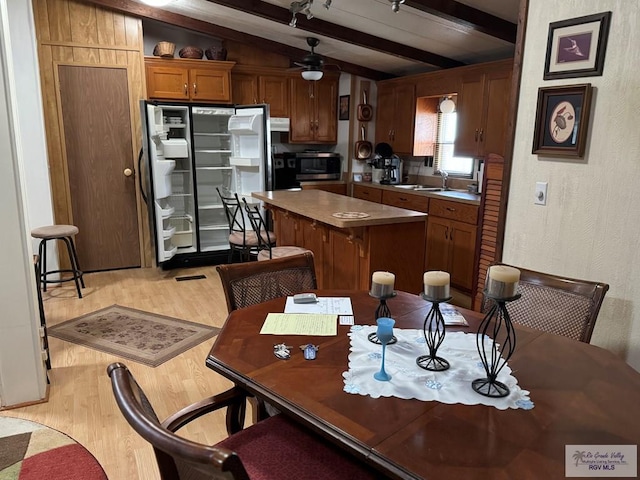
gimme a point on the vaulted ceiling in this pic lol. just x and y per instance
(363, 37)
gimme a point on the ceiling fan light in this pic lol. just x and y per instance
(447, 105)
(311, 75)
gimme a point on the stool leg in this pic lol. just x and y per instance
(75, 258)
(73, 265)
(42, 274)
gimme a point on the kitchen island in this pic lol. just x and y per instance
(350, 238)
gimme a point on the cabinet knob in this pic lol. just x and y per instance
(128, 172)
(481, 134)
(195, 89)
(476, 135)
(186, 92)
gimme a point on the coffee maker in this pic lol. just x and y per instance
(392, 170)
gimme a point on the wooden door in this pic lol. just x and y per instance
(97, 131)
(210, 84)
(274, 90)
(469, 108)
(497, 91)
(244, 88)
(326, 105)
(302, 115)
(404, 119)
(437, 250)
(167, 82)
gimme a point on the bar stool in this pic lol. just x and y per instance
(66, 234)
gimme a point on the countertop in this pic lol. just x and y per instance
(320, 205)
(454, 195)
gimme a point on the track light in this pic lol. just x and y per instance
(395, 5)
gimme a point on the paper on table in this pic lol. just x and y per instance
(452, 316)
(300, 324)
(334, 305)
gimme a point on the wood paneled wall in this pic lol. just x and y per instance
(75, 33)
(492, 186)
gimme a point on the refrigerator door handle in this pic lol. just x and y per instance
(140, 183)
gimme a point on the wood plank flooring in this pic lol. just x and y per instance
(81, 402)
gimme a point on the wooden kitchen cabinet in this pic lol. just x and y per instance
(314, 110)
(419, 203)
(253, 85)
(395, 115)
(451, 240)
(483, 104)
(189, 80)
(366, 192)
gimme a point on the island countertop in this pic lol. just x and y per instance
(322, 206)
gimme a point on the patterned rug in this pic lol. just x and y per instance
(31, 451)
(134, 334)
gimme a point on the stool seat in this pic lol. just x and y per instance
(279, 252)
(65, 233)
(55, 231)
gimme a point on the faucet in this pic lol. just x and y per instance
(444, 175)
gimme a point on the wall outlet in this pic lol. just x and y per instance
(540, 196)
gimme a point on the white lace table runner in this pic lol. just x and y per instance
(410, 381)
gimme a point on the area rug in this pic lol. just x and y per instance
(140, 336)
(31, 451)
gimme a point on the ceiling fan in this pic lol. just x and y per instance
(312, 64)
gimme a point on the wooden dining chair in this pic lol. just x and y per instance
(242, 238)
(555, 304)
(267, 248)
(246, 284)
(276, 448)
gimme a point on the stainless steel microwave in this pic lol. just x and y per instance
(295, 167)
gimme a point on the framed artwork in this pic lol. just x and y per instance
(343, 107)
(576, 47)
(562, 118)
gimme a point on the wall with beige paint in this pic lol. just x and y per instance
(591, 224)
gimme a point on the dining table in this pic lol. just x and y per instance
(580, 394)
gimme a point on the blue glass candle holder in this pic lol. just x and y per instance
(385, 334)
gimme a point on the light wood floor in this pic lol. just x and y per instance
(81, 402)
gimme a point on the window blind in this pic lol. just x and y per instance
(444, 158)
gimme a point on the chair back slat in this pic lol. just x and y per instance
(554, 304)
(178, 458)
(246, 284)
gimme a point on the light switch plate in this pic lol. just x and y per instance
(540, 196)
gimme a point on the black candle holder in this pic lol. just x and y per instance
(495, 360)
(434, 333)
(382, 311)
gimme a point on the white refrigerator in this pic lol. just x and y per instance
(189, 150)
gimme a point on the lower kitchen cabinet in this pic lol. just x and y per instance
(451, 241)
(365, 192)
(400, 199)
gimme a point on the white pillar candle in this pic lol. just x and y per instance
(502, 281)
(436, 285)
(382, 284)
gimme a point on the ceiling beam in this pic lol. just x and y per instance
(468, 17)
(143, 11)
(281, 15)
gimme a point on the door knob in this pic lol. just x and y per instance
(128, 172)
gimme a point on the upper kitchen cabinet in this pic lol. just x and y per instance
(395, 115)
(314, 110)
(189, 80)
(252, 85)
(483, 104)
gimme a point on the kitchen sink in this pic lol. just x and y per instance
(426, 188)
(407, 187)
